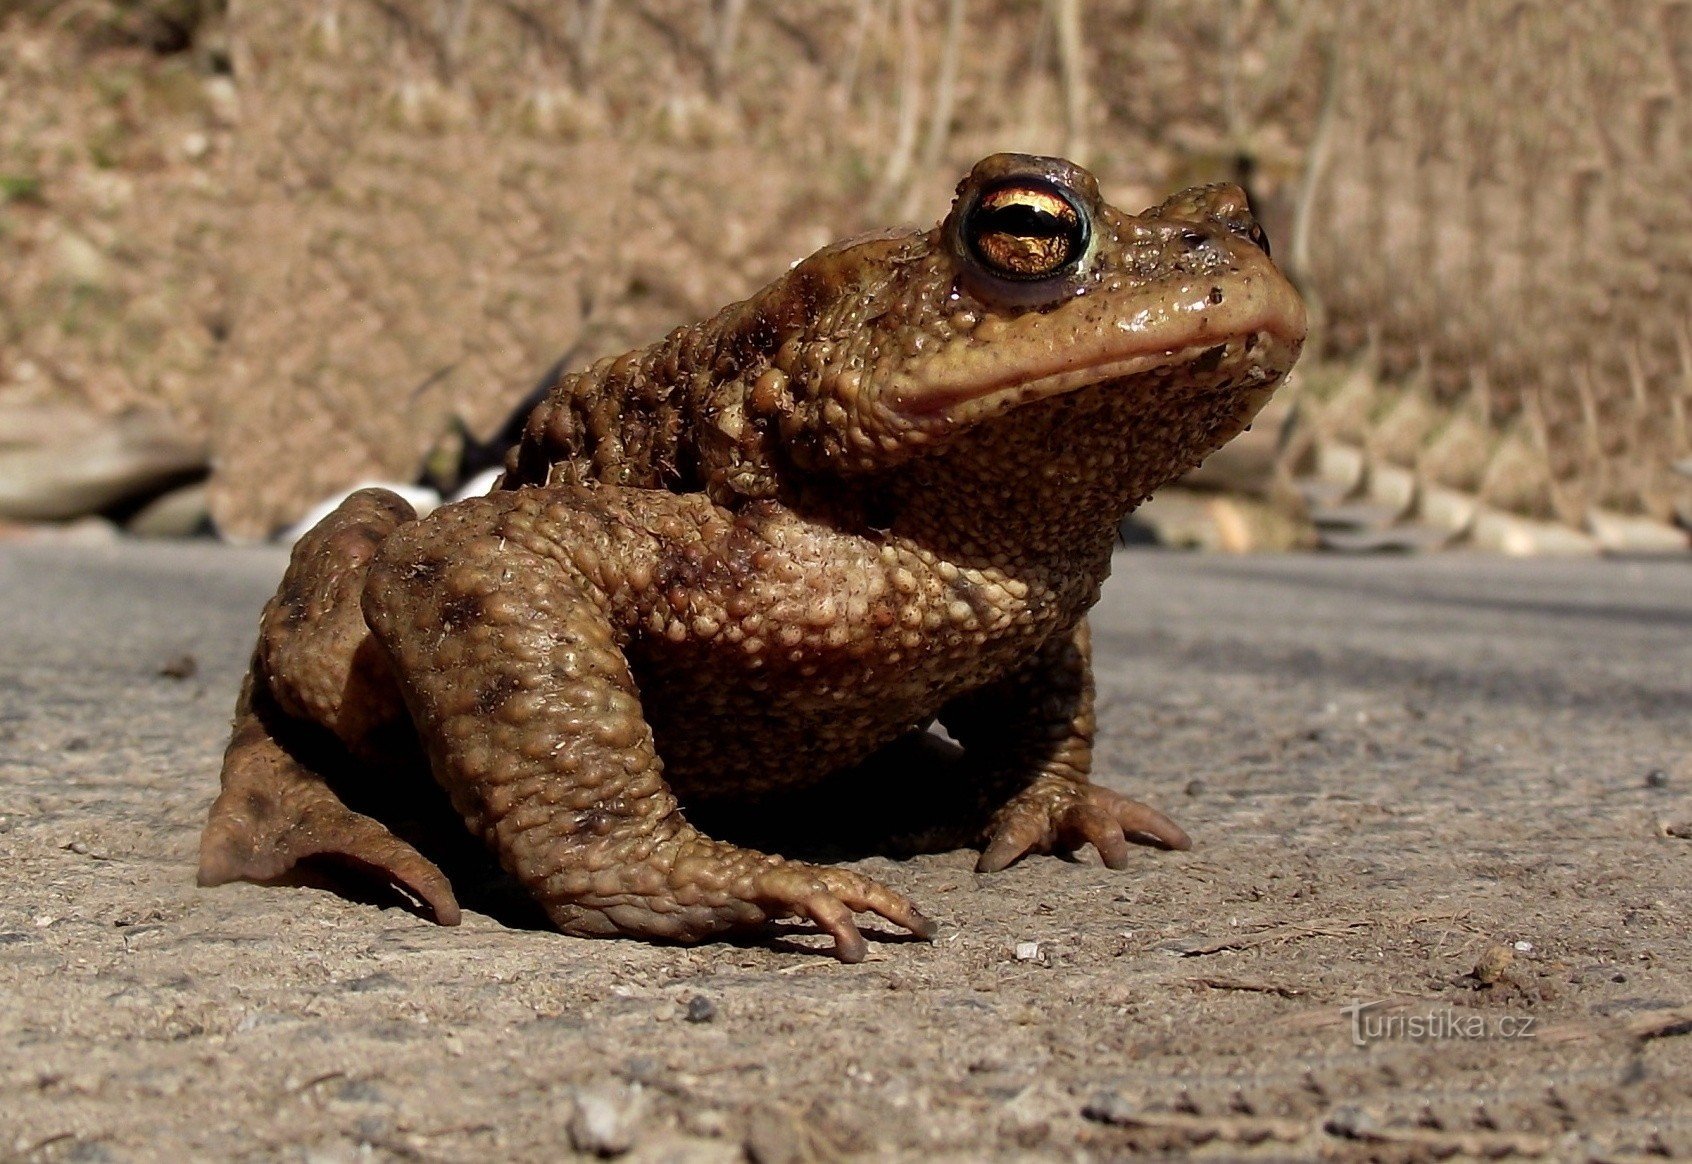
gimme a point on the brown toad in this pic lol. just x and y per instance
(880, 492)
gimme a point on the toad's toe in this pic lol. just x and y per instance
(1062, 816)
(829, 897)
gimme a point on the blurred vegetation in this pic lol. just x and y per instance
(361, 226)
(159, 26)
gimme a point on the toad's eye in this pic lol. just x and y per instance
(1025, 229)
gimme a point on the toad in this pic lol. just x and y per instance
(880, 493)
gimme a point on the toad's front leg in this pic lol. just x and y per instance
(1033, 731)
(504, 618)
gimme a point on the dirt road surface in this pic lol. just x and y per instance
(1453, 792)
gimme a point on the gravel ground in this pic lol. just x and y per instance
(1456, 788)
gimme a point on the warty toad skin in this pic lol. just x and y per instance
(880, 492)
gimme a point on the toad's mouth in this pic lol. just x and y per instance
(1248, 334)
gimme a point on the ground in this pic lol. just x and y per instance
(1457, 787)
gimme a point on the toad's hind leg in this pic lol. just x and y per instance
(274, 812)
(318, 684)
(504, 618)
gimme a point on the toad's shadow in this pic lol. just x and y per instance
(917, 795)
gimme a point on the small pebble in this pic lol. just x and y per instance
(1195, 788)
(1028, 951)
(605, 1119)
(700, 1009)
(1523, 947)
(1110, 1108)
(181, 667)
(1656, 778)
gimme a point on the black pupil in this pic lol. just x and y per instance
(1024, 221)
(1026, 233)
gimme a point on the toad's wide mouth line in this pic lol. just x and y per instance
(1260, 329)
(1256, 360)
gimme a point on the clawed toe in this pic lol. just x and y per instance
(1068, 817)
(1143, 823)
(833, 916)
(831, 896)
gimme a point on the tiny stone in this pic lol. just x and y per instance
(1656, 778)
(1195, 788)
(700, 1009)
(1524, 947)
(1350, 1122)
(605, 1118)
(181, 667)
(1028, 951)
(1110, 1108)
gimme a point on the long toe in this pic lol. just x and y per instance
(1063, 815)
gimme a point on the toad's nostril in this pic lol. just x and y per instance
(1193, 239)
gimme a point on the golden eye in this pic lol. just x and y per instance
(1025, 229)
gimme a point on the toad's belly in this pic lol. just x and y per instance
(729, 733)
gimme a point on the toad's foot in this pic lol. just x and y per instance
(1059, 814)
(693, 887)
(274, 813)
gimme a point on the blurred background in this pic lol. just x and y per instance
(251, 254)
